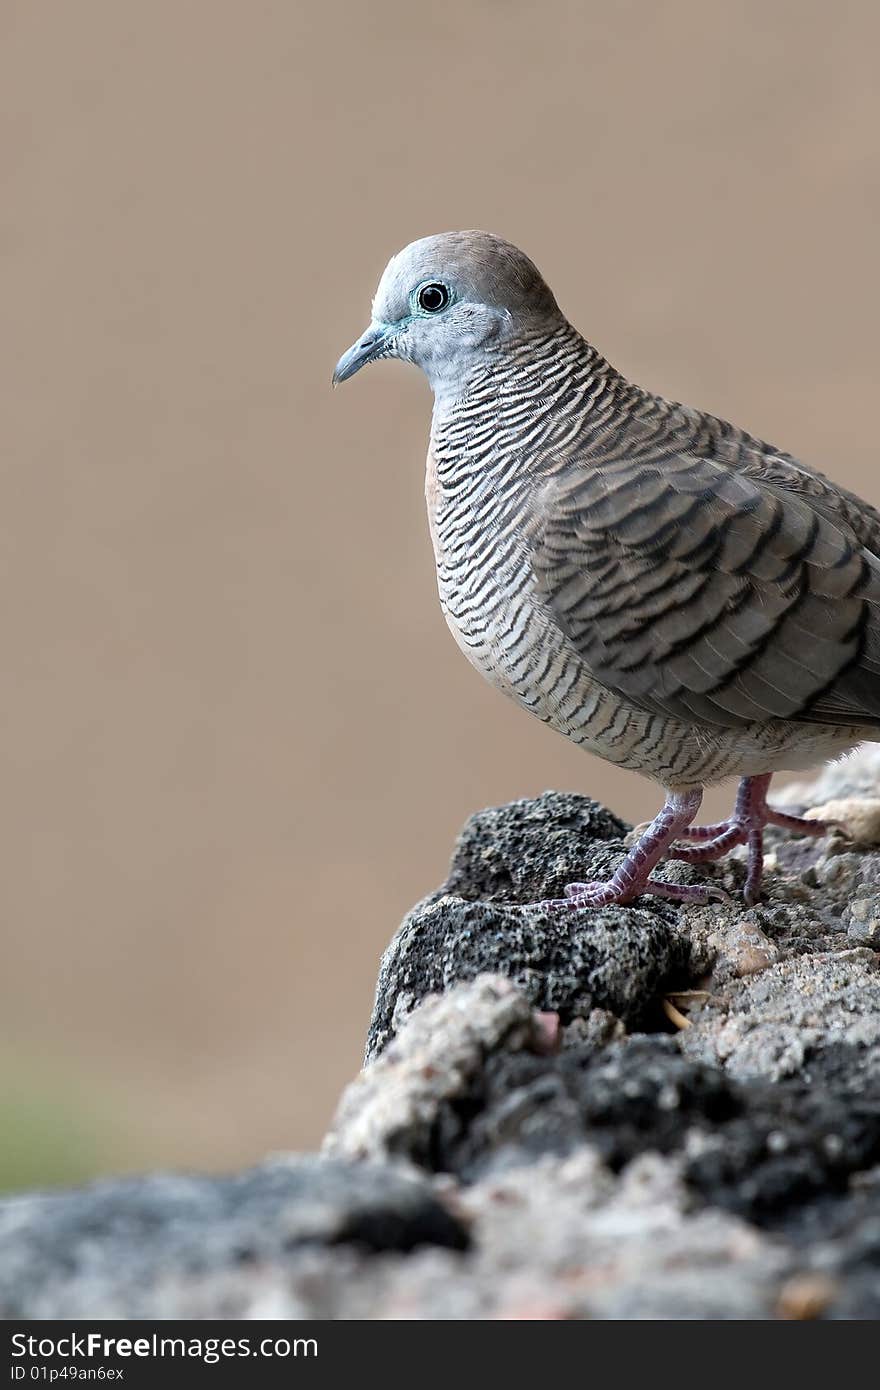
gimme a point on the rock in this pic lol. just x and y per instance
(748, 1146)
(533, 1138)
(842, 1248)
(618, 959)
(727, 943)
(856, 775)
(862, 918)
(561, 1239)
(391, 1109)
(631, 1097)
(773, 1023)
(529, 850)
(113, 1249)
(482, 920)
(858, 817)
(791, 1144)
(620, 1180)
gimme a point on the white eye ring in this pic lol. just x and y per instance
(433, 297)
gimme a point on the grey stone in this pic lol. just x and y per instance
(553, 1168)
(515, 1149)
(528, 850)
(761, 1146)
(391, 1109)
(562, 1238)
(858, 774)
(619, 959)
(773, 1023)
(103, 1250)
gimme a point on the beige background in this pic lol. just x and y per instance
(237, 739)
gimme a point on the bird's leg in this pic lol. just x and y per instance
(729, 835)
(745, 827)
(748, 796)
(632, 877)
(798, 823)
(754, 865)
(705, 832)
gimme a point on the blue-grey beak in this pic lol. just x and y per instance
(368, 347)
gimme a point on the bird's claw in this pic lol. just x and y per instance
(598, 894)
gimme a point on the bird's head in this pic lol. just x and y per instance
(444, 300)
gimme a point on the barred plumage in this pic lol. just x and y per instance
(659, 586)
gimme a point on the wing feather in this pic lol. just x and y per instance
(714, 593)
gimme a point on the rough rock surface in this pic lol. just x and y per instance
(482, 920)
(641, 1112)
(108, 1249)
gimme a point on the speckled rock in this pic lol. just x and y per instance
(776, 1022)
(645, 1112)
(528, 850)
(391, 1109)
(131, 1248)
(619, 959)
(856, 775)
(760, 1143)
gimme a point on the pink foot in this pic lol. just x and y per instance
(599, 894)
(633, 877)
(745, 827)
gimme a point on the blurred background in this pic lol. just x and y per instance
(237, 740)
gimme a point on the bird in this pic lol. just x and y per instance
(661, 587)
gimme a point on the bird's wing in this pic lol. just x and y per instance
(715, 594)
(781, 470)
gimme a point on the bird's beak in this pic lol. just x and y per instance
(368, 347)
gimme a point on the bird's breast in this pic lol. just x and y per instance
(487, 588)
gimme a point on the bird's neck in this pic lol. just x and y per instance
(526, 396)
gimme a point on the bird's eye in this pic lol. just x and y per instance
(432, 298)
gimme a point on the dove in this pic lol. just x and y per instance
(664, 589)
